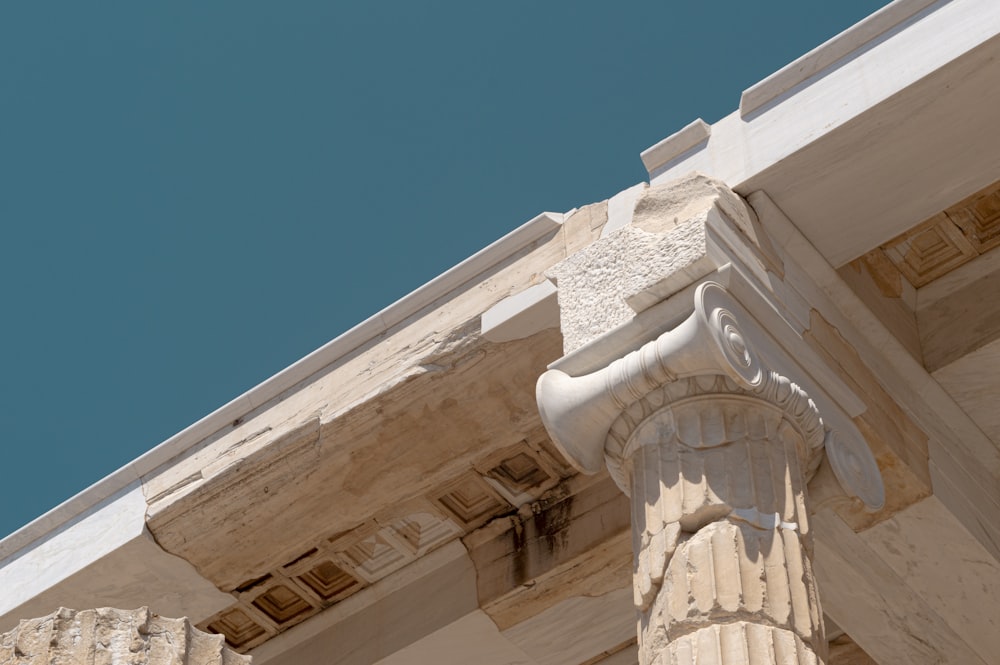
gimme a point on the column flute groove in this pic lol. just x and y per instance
(714, 449)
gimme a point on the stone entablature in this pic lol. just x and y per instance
(317, 514)
(341, 564)
(536, 537)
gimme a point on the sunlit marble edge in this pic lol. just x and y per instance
(816, 62)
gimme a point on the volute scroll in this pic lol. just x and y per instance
(578, 411)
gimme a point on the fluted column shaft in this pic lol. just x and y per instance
(722, 549)
(714, 447)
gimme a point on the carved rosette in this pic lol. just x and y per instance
(106, 635)
(715, 451)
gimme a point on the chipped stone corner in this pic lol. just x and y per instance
(663, 247)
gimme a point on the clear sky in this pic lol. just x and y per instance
(195, 195)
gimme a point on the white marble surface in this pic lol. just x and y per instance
(621, 207)
(931, 552)
(577, 629)
(522, 314)
(974, 382)
(826, 55)
(882, 126)
(471, 639)
(877, 607)
(104, 558)
(674, 146)
(965, 460)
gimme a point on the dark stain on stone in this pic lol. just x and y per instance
(537, 541)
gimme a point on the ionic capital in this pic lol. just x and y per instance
(584, 415)
(714, 446)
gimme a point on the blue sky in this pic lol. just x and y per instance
(195, 195)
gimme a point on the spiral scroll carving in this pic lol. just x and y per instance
(730, 339)
(856, 468)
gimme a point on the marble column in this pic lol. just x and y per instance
(715, 449)
(110, 636)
